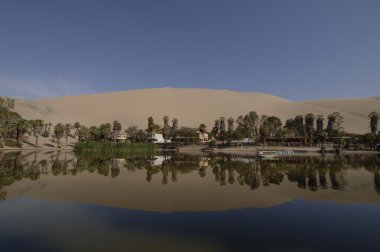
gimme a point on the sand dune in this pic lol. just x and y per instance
(190, 106)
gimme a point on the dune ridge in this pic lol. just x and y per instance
(190, 106)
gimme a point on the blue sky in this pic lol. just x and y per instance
(296, 49)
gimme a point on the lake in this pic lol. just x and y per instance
(59, 201)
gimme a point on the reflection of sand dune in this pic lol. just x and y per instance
(190, 106)
(189, 193)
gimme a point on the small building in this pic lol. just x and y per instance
(247, 140)
(203, 137)
(158, 138)
(119, 136)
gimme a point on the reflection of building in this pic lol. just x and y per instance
(203, 162)
(119, 136)
(158, 160)
(120, 161)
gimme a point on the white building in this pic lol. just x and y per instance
(203, 137)
(158, 138)
(119, 136)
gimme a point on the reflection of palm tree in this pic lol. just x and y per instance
(165, 173)
(149, 174)
(337, 180)
(202, 172)
(222, 179)
(322, 171)
(312, 180)
(215, 171)
(115, 170)
(377, 181)
(298, 174)
(253, 177)
(174, 174)
(231, 175)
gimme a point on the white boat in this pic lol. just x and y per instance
(272, 154)
(266, 154)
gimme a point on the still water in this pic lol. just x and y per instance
(57, 201)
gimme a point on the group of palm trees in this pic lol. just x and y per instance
(306, 128)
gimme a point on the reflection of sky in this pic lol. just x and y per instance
(39, 225)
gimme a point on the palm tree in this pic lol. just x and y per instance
(116, 128)
(291, 126)
(202, 128)
(166, 121)
(166, 129)
(330, 124)
(322, 135)
(174, 127)
(264, 132)
(21, 128)
(94, 133)
(216, 128)
(152, 127)
(240, 121)
(374, 121)
(282, 133)
(251, 120)
(131, 132)
(335, 121)
(222, 125)
(230, 122)
(76, 127)
(274, 123)
(59, 131)
(83, 133)
(300, 127)
(309, 123)
(105, 131)
(67, 131)
(36, 128)
(320, 119)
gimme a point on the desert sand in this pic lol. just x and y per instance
(190, 106)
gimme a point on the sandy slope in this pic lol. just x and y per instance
(190, 106)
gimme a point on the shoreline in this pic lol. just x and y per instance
(202, 150)
(251, 150)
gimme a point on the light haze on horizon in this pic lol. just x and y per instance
(294, 49)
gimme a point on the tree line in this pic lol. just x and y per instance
(304, 129)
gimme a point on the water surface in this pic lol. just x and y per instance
(62, 202)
